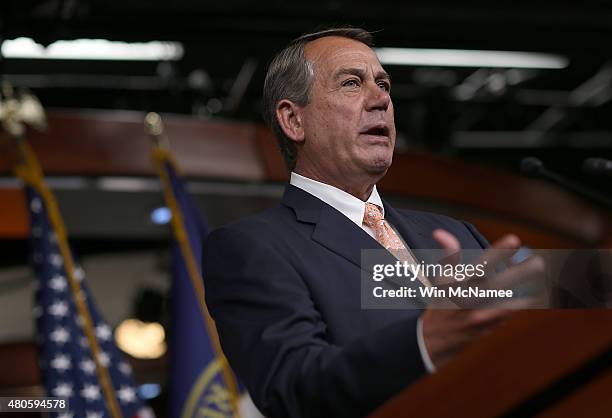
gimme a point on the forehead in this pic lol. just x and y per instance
(334, 52)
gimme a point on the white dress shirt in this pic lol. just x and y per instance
(354, 209)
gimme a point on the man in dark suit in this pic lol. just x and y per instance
(284, 286)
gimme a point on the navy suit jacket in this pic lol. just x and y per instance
(284, 289)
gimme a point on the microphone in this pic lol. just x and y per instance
(534, 168)
(597, 166)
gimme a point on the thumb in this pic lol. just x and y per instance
(450, 244)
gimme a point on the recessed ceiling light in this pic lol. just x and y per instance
(93, 49)
(469, 58)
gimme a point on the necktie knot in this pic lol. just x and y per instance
(384, 234)
(372, 216)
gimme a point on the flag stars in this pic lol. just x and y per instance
(55, 260)
(88, 366)
(58, 309)
(58, 283)
(60, 335)
(35, 205)
(103, 332)
(63, 390)
(79, 273)
(91, 392)
(61, 363)
(126, 394)
(68, 355)
(125, 368)
(83, 342)
(80, 322)
(104, 358)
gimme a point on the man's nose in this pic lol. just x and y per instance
(378, 98)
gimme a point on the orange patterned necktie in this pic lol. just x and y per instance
(383, 232)
(387, 237)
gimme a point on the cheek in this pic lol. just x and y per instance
(340, 125)
(328, 117)
(339, 115)
(391, 115)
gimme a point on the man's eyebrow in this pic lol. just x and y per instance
(349, 71)
(382, 75)
(361, 73)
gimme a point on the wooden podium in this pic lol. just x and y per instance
(541, 364)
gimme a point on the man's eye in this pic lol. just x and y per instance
(351, 83)
(384, 85)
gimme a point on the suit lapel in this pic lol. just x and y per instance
(340, 235)
(415, 235)
(332, 229)
(412, 231)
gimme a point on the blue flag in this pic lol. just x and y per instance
(198, 386)
(65, 354)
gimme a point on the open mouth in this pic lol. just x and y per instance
(380, 130)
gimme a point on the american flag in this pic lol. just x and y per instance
(65, 356)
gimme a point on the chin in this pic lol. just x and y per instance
(379, 166)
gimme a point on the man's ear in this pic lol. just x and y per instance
(289, 116)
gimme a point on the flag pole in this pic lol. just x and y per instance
(29, 171)
(161, 154)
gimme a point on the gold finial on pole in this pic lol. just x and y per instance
(154, 126)
(19, 110)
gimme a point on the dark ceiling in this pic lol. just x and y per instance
(495, 116)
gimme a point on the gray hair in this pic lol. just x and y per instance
(290, 76)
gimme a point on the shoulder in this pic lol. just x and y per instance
(257, 227)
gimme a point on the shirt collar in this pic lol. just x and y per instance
(347, 204)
